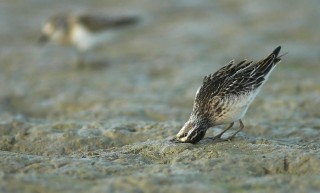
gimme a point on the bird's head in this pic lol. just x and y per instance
(55, 30)
(192, 131)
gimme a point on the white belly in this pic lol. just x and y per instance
(236, 108)
(84, 39)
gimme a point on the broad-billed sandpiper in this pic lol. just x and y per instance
(225, 96)
(83, 31)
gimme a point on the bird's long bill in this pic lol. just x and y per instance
(43, 39)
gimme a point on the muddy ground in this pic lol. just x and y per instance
(106, 128)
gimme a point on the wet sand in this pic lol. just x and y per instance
(107, 128)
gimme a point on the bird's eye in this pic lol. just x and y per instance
(184, 135)
(196, 136)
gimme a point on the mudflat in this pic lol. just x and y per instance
(106, 127)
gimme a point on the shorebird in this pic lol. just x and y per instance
(225, 96)
(83, 31)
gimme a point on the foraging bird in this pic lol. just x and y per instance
(225, 96)
(83, 31)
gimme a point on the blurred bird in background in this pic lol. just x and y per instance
(83, 31)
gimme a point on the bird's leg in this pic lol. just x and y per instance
(220, 134)
(239, 129)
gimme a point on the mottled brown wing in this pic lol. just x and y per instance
(97, 23)
(251, 77)
(236, 79)
(228, 69)
(213, 83)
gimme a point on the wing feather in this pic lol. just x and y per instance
(101, 22)
(236, 79)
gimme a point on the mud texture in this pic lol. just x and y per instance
(106, 127)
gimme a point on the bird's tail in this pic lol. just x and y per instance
(102, 22)
(276, 54)
(266, 65)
